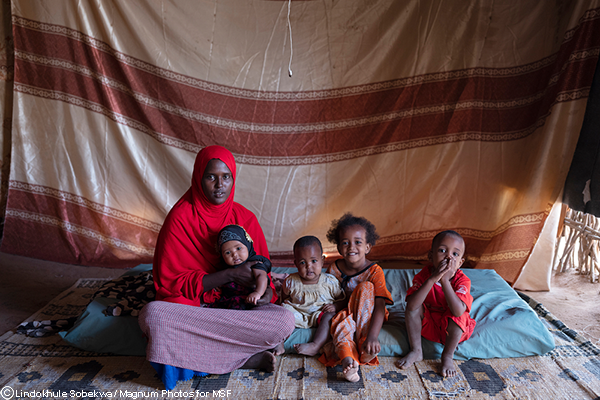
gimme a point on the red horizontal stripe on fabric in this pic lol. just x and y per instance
(54, 243)
(80, 216)
(492, 123)
(340, 107)
(71, 198)
(58, 79)
(279, 111)
(330, 140)
(516, 237)
(508, 270)
(30, 239)
(519, 238)
(307, 112)
(518, 85)
(489, 122)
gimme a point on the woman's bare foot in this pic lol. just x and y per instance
(366, 357)
(279, 350)
(350, 369)
(448, 367)
(265, 360)
(308, 349)
(408, 360)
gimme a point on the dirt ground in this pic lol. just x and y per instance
(28, 284)
(575, 301)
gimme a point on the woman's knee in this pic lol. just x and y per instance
(152, 314)
(288, 321)
(278, 321)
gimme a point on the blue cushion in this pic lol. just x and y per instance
(506, 325)
(95, 331)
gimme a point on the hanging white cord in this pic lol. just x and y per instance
(291, 46)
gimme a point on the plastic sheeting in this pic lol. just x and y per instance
(418, 115)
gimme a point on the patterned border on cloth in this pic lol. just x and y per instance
(46, 367)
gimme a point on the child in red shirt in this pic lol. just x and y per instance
(438, 303)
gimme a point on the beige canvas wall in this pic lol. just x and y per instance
(419, 115)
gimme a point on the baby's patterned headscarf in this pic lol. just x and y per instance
(235, 232)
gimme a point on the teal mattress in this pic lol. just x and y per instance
(506, 325)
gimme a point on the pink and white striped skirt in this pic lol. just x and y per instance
(211, 340)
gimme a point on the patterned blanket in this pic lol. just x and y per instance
(45, 367)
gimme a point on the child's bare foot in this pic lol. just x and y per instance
(408, 360)
(265, 360)
(279, 350)
(366, 357)
(448, 367)
(350, 369)
(308, 349)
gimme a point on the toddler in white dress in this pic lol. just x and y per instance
(311, 294)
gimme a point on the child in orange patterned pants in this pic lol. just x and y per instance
(355, 329)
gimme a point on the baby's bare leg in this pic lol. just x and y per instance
(413, 320)
(320, 338)
(454, 335)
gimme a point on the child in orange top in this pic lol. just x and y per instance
(355, 329)
(438, 303)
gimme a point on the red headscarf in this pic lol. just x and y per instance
(185, 248)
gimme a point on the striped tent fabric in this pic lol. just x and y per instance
(418, 115)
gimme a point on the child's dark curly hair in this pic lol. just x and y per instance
(333, 234)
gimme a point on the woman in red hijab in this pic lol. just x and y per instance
(181, 332)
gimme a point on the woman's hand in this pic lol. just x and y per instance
(242, 275)
(266, 298)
